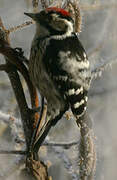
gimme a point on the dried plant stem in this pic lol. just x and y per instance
(13, 152)
(44, 3)
(87, 156)
(35, 5)
(63, 145)
(74, 9)
(97, 72)
(12, 29)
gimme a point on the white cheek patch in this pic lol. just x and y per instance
(68, 31)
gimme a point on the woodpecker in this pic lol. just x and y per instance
(59, 66)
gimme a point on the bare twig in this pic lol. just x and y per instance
(13, 152)
(97, 71)
(12, 29)
(63, 145)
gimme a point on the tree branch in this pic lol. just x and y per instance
(63, 145)
(12, 29)
(13, 152)
(17, 60)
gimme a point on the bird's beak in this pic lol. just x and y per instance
(32, 15)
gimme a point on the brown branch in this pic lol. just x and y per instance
(13, 60)
(17, 60)
(13, 57)
(13, 152)
(18, 90)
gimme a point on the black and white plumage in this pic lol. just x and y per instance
(58, 66)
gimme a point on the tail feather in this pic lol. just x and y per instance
(77, 98)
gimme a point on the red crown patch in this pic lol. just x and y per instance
(59, 10)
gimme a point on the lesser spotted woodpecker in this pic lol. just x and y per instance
(58, 66)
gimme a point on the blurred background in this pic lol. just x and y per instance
(99, 37)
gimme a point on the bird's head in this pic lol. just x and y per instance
(53, 21)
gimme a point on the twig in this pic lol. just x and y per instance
(17, 87)
(13, 152)
(63, 145)
(13, 61)
(44, 4)
(17, 60)
(12, 29)
(97, 71)
(35, 5)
